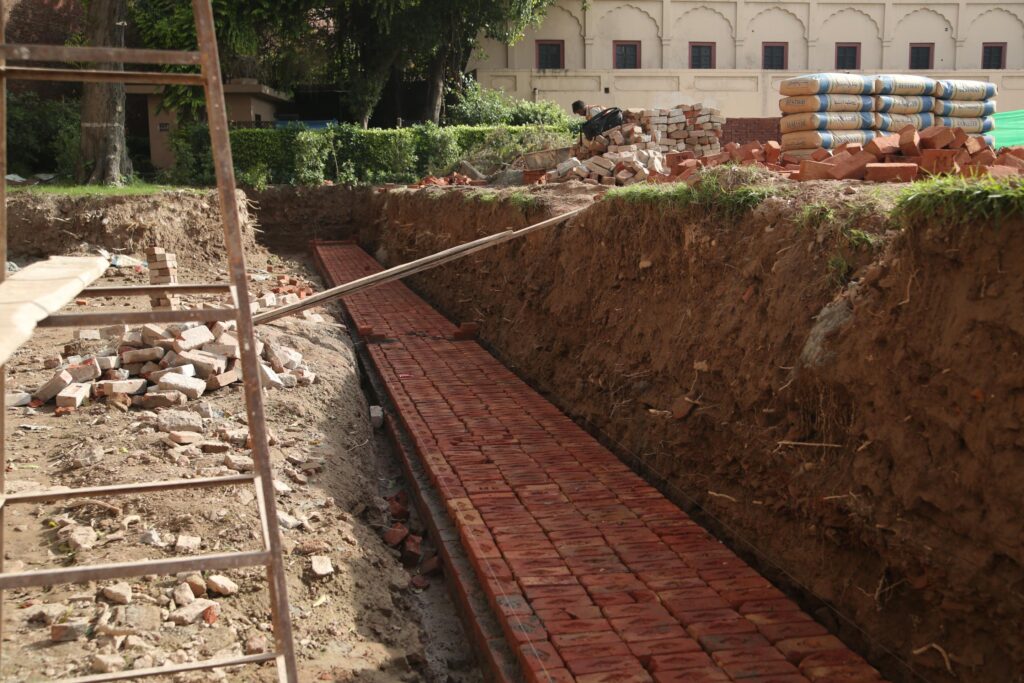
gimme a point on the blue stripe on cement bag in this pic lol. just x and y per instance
(811, 139)
(973, 126)
(891, 123)
(850, 120)
(905, 85)
(964, 110)
(904, 104)
(828, 84)
(802, 104)
(966, 90)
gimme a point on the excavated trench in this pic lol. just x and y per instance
(836, 396)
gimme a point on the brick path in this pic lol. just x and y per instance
(594, 575)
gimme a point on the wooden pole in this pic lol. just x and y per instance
(411, 268)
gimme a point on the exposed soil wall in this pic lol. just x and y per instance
(865, 439)
(289, 217)
(187, 223)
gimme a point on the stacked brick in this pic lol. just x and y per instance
(831, 110)
(685, 128)
(163, 270)
(890, 157)
(635, 151)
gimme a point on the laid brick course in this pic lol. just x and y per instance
(594, 576)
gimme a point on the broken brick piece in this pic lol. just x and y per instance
(395, 535)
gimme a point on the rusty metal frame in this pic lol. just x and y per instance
(270, 556)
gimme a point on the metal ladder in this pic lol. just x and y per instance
(270, 556)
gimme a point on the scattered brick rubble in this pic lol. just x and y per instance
(163, 366)
(897, 157)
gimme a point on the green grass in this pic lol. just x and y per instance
(134, 189)
(729, 191)
(815, 215)
(961, 201)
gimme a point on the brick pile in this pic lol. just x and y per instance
(893, 157)
(160, 366)
(635, 152)
(163, 270)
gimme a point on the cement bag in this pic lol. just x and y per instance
(966, 90)
(892, 123)
(827, 121)
(973, 126)
(905, 85)
(904, 104)
(965, 110)
(808, 139)
(801, 104)
(828, 84)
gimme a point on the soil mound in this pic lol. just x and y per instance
(183, 222)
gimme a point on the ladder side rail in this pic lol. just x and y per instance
(226, 187)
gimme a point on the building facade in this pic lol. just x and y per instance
(732, 54)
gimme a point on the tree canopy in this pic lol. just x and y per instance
(356, 45)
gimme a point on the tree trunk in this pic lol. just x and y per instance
(104, 151)
(435, 85)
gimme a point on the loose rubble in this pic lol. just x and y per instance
(638, 150)
(157, 366)
(898, 157)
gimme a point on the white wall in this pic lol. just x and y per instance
(884, 28)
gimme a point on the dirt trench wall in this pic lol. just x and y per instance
(187, 223)
(289, 217)
(719, 352)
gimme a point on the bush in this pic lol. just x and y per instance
(477, 106)
(350, 155)
(44, 135)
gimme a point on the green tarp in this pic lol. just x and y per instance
(1009, 129)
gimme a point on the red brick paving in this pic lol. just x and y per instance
(593, 574)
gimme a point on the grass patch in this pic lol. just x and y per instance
(520, 199)
(815, 215)
(727, 191)
(960, 201)
(134, 189)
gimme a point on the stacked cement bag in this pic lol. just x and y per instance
(827, 110)
(966, 104)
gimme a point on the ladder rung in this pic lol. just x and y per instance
(173, 669)
(206, 315)
(31, 73)
(97, 55)
(103, 572)
(126, 489)
(148, 290)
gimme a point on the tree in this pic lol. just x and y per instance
(449, 31)
(104, 148)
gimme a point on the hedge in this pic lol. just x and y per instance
(351, 155)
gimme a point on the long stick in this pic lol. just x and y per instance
(411, 268)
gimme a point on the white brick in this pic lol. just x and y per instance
(206, 364)
(73, 396)
(108, 362)
(128, 386)
(192, 387)
(57, 384)
(270, 378)
(193, 338)
(142, 355)
(186, 370)
(85, 372)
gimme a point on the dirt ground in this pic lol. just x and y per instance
(831, 393)
(365, 622)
